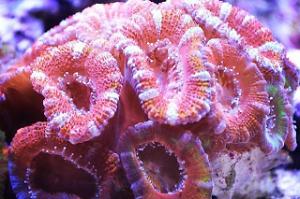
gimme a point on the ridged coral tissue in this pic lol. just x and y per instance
(176, 100)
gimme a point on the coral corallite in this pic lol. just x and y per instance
(139, 100)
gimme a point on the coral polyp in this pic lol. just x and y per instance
(161, 51)
(240, 90)
(78, 101)
(146, 151)
(144, 100)
(36, 157)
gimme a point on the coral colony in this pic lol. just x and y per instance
(177, 100)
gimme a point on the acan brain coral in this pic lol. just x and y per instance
(136, 100)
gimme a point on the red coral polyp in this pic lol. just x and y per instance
(161, 50)
(222, 20)
(241, 93)
(48, 167)
(81, 88)
(164, 162)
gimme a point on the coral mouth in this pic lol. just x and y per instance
(52, 174)
(161, 167)
(78, 90)
(228, 89)
(163, 62)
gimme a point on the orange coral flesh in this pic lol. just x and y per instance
(220, 19)
(161, 49)
(81, 87)
(143, 169)
(240, 90)
(99, 21)
(44, 166)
